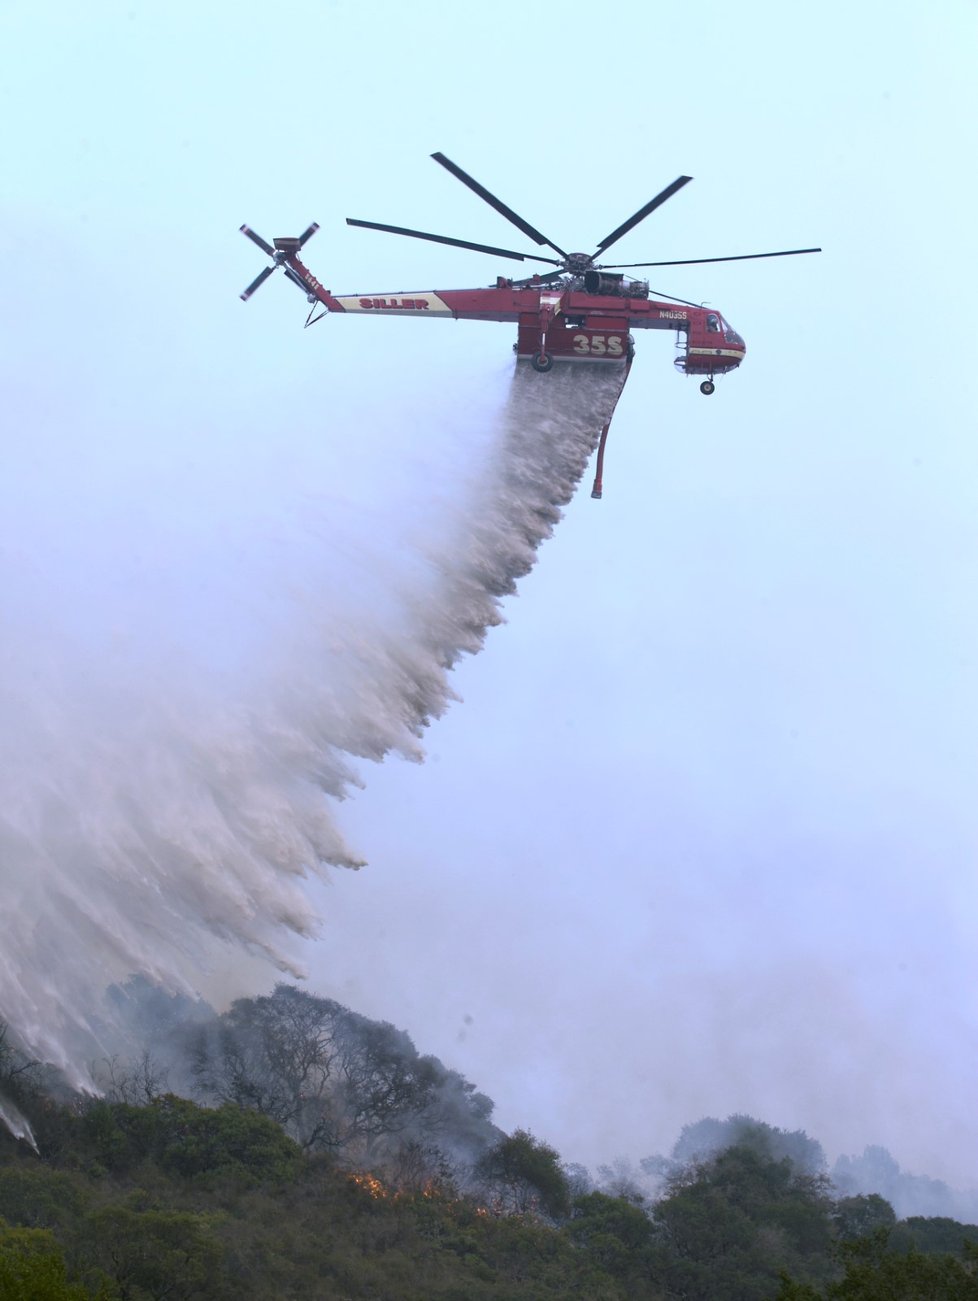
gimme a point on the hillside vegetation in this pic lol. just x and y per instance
(357, 1169)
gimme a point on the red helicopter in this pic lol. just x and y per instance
(584, 311)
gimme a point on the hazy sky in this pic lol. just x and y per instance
(701, 837)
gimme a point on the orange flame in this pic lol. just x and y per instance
(371, 1184)
(379, 1191)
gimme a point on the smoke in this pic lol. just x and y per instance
(184, 705)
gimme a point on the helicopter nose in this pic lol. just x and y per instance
(735, 350)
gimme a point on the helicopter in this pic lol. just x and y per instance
(583, 311)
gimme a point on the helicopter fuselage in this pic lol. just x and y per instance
(558, 322)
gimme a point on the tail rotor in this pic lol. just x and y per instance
(279, 253)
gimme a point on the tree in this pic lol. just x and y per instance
(32, 1267)
(140, 1081)
(621, 1179)
(19, 1074)
(454, 1115)
(708, 1137)
(164, 1255)
(33, 1196)
(613, 1231)
(876, 1171)
(333, 1079)
(415, 1167)
(188, 1140)
(874, 1273)
(727, 1226)
(276, 1055)
(856, 1217)
(931, 1234)
(526, 1176)
(385, 1084)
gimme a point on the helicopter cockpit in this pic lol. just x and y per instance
(715, 324)
(709, 346)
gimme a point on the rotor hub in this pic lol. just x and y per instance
(578, 262)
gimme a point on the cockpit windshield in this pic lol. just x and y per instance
(730, 334)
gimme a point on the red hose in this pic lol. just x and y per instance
(599, 464)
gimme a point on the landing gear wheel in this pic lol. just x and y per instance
(707, 387)
(541, 361)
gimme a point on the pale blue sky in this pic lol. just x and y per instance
(701, 837)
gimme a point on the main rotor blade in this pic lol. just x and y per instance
(257, 239)
(642, 213)
(308, 233)
(258, 280)
(689, 262)
(493, 202)
(457, 243)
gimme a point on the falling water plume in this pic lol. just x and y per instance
(159, 817)
(15, 1122)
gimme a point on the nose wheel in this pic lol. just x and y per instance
(707, 387)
